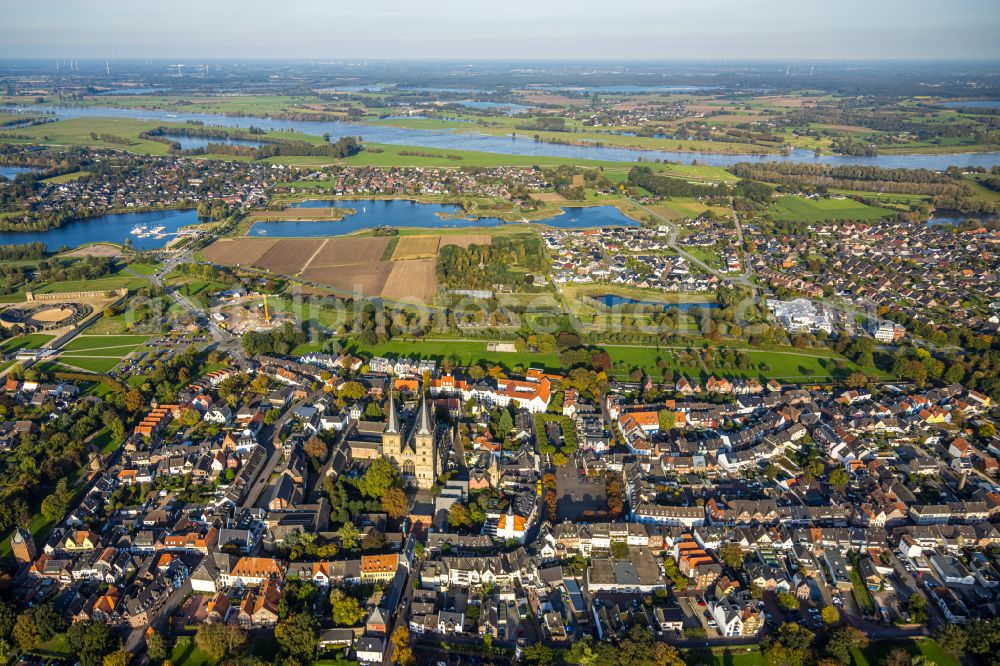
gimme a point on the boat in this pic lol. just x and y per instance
(138, 229)
(262, 232)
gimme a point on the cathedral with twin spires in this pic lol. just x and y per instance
(412, 449)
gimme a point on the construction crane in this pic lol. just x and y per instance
(267, 315)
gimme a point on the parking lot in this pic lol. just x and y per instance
(160, 349)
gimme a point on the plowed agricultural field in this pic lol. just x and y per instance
(413, 279)
(238, 250)
(349, 264)
(366, 279)
(289, 255)
(416, 247)
(465, 240)
(350, 251)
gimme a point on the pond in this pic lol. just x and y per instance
(589, 217)
(523, 145)
(373, 213)
(953, 218)
(616, 301)
(144, 229)
(10, 172)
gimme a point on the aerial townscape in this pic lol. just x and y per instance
(452, 334)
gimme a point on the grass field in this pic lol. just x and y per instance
(186, 653)
(875, 653)
(818, 210)
(197, 289)
(468, 353)
(785, 365)
(100, 365)
(100, 284)
(66, 177)
(31, 341)
(100, 353)
(143, 269)
(92, 342)
(680, 207)
(110, 325)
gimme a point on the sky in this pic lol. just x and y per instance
(503, 29)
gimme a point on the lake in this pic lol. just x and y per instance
(10, 172)
(451, 140)
(616, 301)
(372, 213)
(191, 142)
(108, 228)
(369, 214)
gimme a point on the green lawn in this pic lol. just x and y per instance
(110, 325)
(100, 353)
(818, 210)
(875, 653)
(66, 177)
(88, 342)
(186, 653)
(100, 364)
(723, 657)
(100, 284)
(306, 348)
(468, 353)
(861, 593)
(30, 341)
(785, 365)
(143, 269)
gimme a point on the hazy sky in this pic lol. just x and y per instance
(557, 29)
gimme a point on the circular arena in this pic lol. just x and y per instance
(44, 316)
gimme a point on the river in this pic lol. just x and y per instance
(524, 145)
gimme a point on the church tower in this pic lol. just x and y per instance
(22, 544)
(392, 437)
(424, 450)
